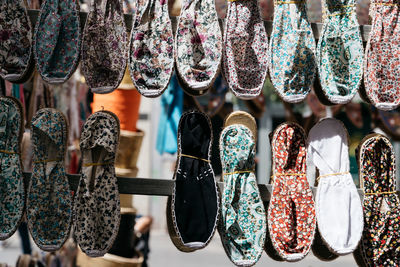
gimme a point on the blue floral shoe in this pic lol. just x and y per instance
(97, 203)
(57, 40)
(49, 202)
(12, 190)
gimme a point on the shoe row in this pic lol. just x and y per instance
(285, 226)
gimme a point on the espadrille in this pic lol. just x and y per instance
(291, 211)
(97, 205)
(151, 53)
(338, 205)
(245, 59)
(292, 64)
(380, 242)
(242, 225)
(382, 55)
(49, 201)
(340, 52)
(198, 46)
(195, 200)
(16, 64)
(104, 46)
(12, 189)
(57, 40)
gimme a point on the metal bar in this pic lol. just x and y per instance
(316, 27)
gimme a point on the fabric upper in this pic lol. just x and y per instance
(292, 63)
(104, 46)
(340, 51)
(49, 204)
(198, 44)
(242, 224)
(245, 49)
(12, 191)
(195, 200)
(382, 56)
(291, 212)
(338, 204)
(15, 40)
(151, 58)
(97, 204)
(57, 40)
(380, 241)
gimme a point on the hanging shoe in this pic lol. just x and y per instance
(49, 201)
(16, 58)
(292, 65)
(104, 46)
(291, 212)
(57, 40)
(97, 204)
(12, 189)
(151, 53)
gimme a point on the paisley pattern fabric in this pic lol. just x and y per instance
(382, 56)
(195, 199)
(291, 212)
(242, 224)
(292, 64)
(57, 40)
(12, 191)
(97, 206)
(49, 203)
(151, 53)
(340, 52)
(245, 49)
(15, 41)
(104, 46)
(338, 205)
(380, 243)
(198, 46)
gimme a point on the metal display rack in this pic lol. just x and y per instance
(163, 187)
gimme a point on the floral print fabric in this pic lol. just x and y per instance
(104, 46)
(340, 51)
(12, 191)
(245, 49)
(291, 212)
(292, 66)
(151, 58)
(57, 40)
(382, 56)
(15, 41)
(380, 243)
(198, 45)
(49, 203)
(97, 203)
(243, 222)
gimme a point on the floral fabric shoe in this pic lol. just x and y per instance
(195, 199)
(245, 49)
(16, 42)
(291, 212)
(49, 203)
(292, 64)
(12, 190)
(380, 241)
(104, 46)
(340, 52)
(97, 204)
(242, 225)
(151, 53)
(338, 204)
(57, 40)
(382, 55)
(198, 46)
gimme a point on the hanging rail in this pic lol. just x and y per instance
(316, 27)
